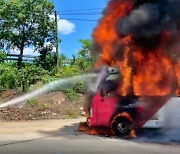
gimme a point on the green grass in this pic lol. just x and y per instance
(32, 102)
(71, 94)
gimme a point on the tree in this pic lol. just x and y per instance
(49, 63)
(25, 23)
(85, 59)
(73, 60)
(2, 56)
(63, 60)
(44, 51)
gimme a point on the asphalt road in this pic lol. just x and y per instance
(61, 137)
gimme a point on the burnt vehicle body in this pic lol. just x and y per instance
(121, 114)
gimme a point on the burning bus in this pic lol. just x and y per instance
(141, 39)
(120, 115)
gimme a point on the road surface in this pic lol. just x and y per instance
(61, 137)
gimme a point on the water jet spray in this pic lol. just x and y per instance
(54, 85)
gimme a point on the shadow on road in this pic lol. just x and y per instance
(68, 131)
(159, 136)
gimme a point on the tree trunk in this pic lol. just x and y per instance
(20, 58)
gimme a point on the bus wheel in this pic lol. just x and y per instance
(121, 126)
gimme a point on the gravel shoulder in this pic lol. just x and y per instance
(54, 105)
(28, 130)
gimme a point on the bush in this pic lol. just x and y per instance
(11, 77)
(44, 69)
(68, 71)
(80, 87)
(8, 77)
(32, 102)
(47, 79)
(28, 75)
(49, 63)
(2, 56)
(71, 94)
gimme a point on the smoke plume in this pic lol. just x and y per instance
(150, 18)
(141, 38)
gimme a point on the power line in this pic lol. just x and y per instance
(77, 19)
(76, 12)
(80, 14)
(84, 14)
(80, 19)
(83, 9)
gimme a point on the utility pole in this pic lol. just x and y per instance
(56, 39)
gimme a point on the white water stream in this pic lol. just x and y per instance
(54, 85)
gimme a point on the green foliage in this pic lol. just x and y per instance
(7, 77)
(68, 71)
(46, 71)
(11, 77)
(32, 102)
(71, 94)
(26, 22)
(63, 60)
(2, 56)
(84, 60)
(86, 44)
(80, 87)
(30, 74)
(48, 78)
(49, 62)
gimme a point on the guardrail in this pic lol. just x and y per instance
(15, 57)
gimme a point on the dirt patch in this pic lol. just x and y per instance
(8, 94)
(54, 105)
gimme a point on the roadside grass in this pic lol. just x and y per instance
(32, 102)
(71, 94)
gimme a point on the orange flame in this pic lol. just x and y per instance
(154, 75)
(145, 72)
(177, 68)
(105, 34)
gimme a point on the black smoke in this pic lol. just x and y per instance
(150, 18)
